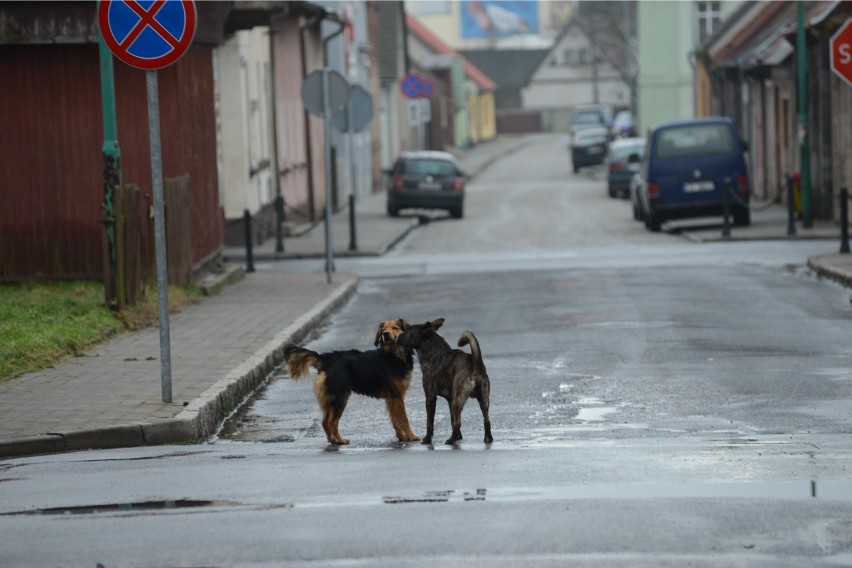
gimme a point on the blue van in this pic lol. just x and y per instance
(685, 169)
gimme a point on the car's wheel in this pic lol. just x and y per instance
(392, 210)
(457, 213)
(742, 216)
(612, 192)
(653, 222)
(576, 169)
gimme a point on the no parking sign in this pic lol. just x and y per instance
(147, 34)
(150, 35)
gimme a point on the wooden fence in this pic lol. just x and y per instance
(134, 243)
(178, 231)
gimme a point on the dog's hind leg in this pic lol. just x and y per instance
(327, 424)
(456, 407)
(325, 401)
(483, 406)
(335, 421)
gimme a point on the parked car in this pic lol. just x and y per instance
(686, 168)
(620, 167)
(588, 147)
(588, 116)
(623, 125)
(426, 180)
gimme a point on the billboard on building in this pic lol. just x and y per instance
(483, 19)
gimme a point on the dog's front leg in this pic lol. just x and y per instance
(399, 420)
(431, 402)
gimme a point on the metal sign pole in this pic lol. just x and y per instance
(353, 240)
(159, 234)
(326, 108)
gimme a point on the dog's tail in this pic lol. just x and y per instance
(469, 338)
(299, 359)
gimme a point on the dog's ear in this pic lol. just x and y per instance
(438, 323)
(378, 334)
(403, 324)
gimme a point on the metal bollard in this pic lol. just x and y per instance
(279, 221)
(249, 255)
(353, 241)
(844, 220)
(726, 225)
(791, 207)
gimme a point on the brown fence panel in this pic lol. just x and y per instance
(129, 284)
(178, 230)
(518, 121)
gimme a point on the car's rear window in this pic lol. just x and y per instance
(623, 152)
(693, 140)
(587, 118)
(592, 136)
(426, 167)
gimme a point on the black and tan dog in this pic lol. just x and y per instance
(449, 373)
(381, 373)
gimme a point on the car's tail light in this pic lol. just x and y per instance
(742, 186)
(615, 166)
(399, 182)
(458, 184)
(653, 190)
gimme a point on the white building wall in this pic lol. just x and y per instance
(245, 142)
(564, 79)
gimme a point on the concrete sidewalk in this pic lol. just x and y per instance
(224, 347)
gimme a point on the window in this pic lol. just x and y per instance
(709, 15)
(568, 57)
(695, 140)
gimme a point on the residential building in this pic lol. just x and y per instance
(247, 172)
(580, 69)
(749, 70)
(462, 105)
(669, 33)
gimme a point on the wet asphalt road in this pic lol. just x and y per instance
(654, 403)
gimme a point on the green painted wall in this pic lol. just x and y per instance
(667, 38)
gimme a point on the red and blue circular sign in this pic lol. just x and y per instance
(148, 34)
(416, 86)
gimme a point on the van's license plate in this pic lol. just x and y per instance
(696, 186)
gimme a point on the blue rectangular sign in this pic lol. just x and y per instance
(484, 19)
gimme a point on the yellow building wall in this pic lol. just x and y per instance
(483, 117)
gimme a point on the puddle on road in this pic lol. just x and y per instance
(801, 490)
(749, 490)
(143, 507)
(124, 507)
(594, 414)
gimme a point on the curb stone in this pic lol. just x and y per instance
(823, 269)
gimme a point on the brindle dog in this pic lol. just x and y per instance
(449, 373)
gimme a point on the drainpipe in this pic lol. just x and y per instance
(804, 149)
(311, 22)
(273, 112)
(112, 172)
